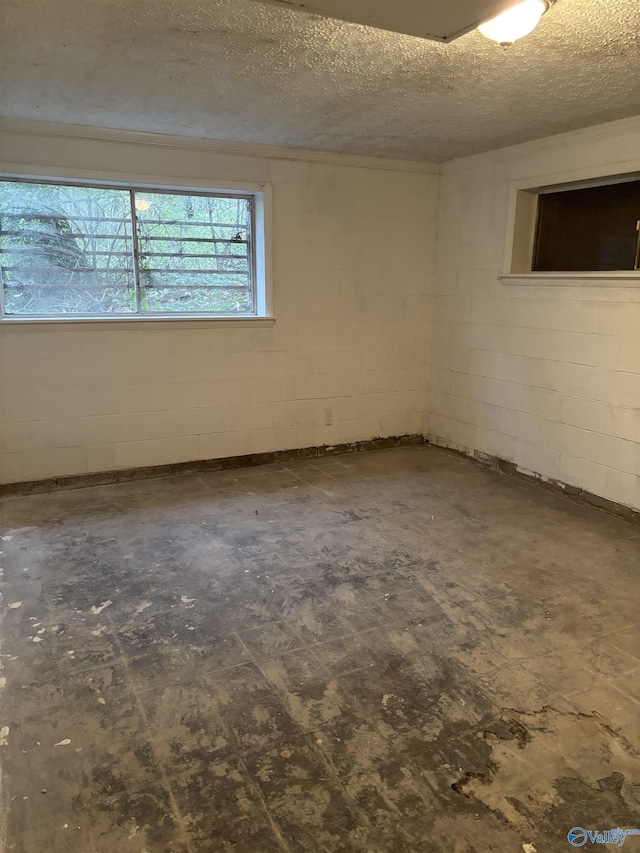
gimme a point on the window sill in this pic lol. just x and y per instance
(193, 321)
(606, 278)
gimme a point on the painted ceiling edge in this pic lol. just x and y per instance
(591, 133)
(28, 127)
(34, 127)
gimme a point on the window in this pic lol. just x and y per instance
(97, 251)
(588, 229)
(579, 230)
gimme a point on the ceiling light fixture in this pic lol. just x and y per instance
(516, 22)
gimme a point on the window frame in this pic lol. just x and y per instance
(521, 229)
(260, 255)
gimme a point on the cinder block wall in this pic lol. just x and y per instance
(353, 261)
(546, 375)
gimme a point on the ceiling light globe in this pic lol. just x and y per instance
(515, 23)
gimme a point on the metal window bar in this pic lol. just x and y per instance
(171, 271)
(83, 235)
(147, 221)
(27, 250)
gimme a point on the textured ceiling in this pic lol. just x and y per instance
(241, 70)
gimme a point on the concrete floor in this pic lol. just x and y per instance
(395, 651)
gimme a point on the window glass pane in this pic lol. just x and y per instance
(588, 229)
(194, 253)
(65, 249)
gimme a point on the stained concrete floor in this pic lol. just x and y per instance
(392, 651)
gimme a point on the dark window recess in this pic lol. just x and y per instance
(588, 229)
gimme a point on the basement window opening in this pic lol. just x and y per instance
(594, 228)
(591, 228)
(77, 251)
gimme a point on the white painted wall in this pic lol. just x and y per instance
(545, 375)
(353, 260)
